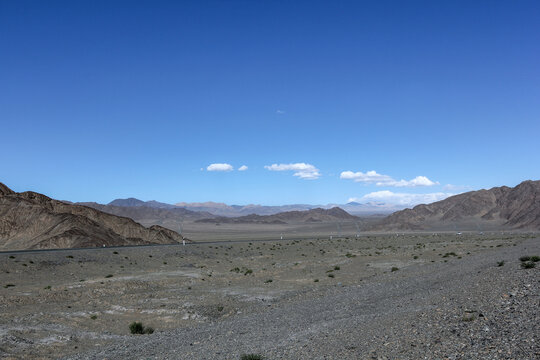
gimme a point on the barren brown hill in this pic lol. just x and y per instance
(497, 208)
(313, 215)
(29, 220)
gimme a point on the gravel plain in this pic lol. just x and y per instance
(414, 296)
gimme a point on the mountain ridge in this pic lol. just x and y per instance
(498, 207)
(133, 202)
(306, 216)
(222, 209)
(29, 220)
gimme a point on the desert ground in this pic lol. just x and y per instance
(379, 296)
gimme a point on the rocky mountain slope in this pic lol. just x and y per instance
(497, 208)
(313, 215)
(29, 220)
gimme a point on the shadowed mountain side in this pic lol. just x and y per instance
(29, 220)
(313, 215)
(498, 208)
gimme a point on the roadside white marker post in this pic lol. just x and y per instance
(183, 242)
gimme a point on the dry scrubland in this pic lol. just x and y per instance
(376, 296)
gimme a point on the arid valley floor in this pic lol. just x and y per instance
(380, 296)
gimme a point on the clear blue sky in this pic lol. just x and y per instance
(108, 99)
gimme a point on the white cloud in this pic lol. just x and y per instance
(302, 170)
(404, 199)
(219, 167)
(280, 112)
(369, 177)
(372, 177)
(242, 168)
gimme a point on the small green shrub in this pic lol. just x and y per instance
(268, 281)
(316, 280)
(528, 265)
(535, 258)
(251, 357)
(9, 285)
(93, 317)
(331, 276)
(525, 258)
(109, 276)
(500, 263)
(138, 328)
(394, 269)
(337, 268)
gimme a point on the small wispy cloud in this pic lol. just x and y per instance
(242, 168)
(404, 199)
(301, 170)
(220, 167)
(459, 188)
(280, 112)
(372, 177)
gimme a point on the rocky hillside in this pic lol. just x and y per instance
(497, 208)
(313, 215)
(29, 220)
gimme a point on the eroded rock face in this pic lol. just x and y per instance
(30, 220)
(503, 207)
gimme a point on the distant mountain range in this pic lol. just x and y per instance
(170, 217)
(29, 220)
(174, 217)
(306, 216)
(497, 208)
(221, 209)
(132, 202)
